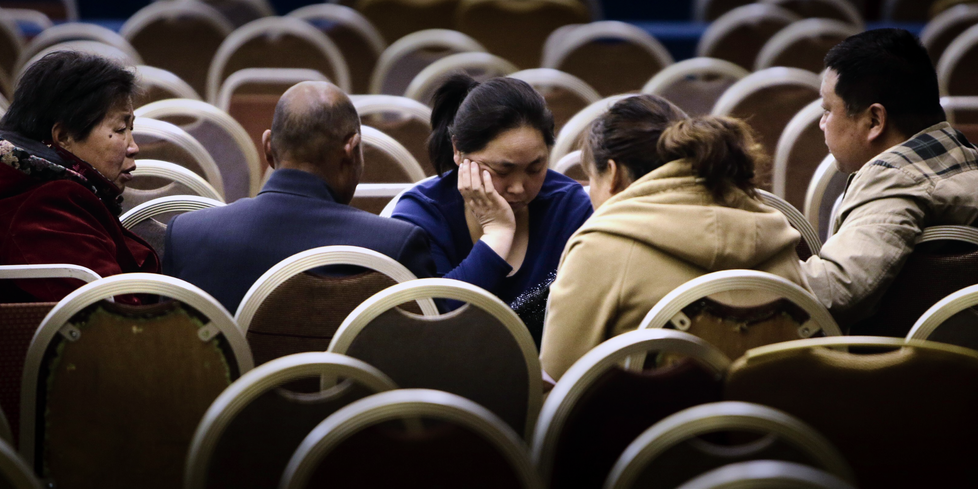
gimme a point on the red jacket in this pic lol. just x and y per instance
(61, 221)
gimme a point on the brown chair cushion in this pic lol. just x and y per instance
(18, 322)
(257, 445)
(690, 458)
(254, 112)
(398, 18)
(933, 271)
(302, 314)
(697, 95)
(961, 79)
(618, 407)
(153, 148)
(808, 54)
(903, 418)
(563, 104)
(360, 57)
(806, 154)
(612, 66)
(742, 44)
(734, 330)
(123, 401)
(443, 456)
(466, 352)
(517, 31)
(183, 46)
(768, 111)
(381, 167)
(410, 132)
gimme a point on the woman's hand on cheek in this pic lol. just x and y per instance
(491, 210)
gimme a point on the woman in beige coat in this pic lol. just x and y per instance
(667, 210)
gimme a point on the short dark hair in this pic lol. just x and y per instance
(629, 132)
(472, 114)
(892, 68)
(69, 87)
(311, 132)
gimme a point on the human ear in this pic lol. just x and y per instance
(877, 121)
(456, 154)
(618, 175)
(266, 144)
(60, 136)
(351, 145)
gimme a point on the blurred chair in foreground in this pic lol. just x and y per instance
(128, 422)
(250, 432)
(411, 439)
(709, 436)
(861, 402)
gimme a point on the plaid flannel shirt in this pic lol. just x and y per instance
(930, 179)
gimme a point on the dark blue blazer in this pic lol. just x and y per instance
(224, 250)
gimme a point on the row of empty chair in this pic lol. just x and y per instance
(193, 40)
(196, 347)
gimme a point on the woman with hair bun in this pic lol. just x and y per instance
(496, 216)
(674, 199)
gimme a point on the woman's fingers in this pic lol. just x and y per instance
(487, 183)
(463, 177)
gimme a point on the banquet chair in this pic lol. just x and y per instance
(564, 93)
(276, 42)
(598, 407)
(224, 138)
(158, 84)
(800, 149)
(696, 84)
(153, 179)
(611, 56)
(180, 37)
(359, 41)
(944, 260)
(804, 44)
(128, 422)
(766, 309)
(407, 56)
(293, 308)
(740, 34)
(677, 448)
(406, 120)
(517, 31)
(481, 351)
(768, 100)
(251, 430)
(866, 396)
(159, 140)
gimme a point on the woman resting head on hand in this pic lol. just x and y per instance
(675, 200)
(67, 152)
(496, 216)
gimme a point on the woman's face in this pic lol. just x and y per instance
(110, 147)
(517, 162)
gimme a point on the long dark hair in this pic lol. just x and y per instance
(472, 114)
(73, 88)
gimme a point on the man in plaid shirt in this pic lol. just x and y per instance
(884, 124)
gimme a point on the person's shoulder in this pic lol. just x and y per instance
(434, 189)
(60, 195)
(212, 218)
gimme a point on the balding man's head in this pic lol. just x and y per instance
(311, 123)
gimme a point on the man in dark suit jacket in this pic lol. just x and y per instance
(314, 147)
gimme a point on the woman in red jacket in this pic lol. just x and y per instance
(66, 153)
